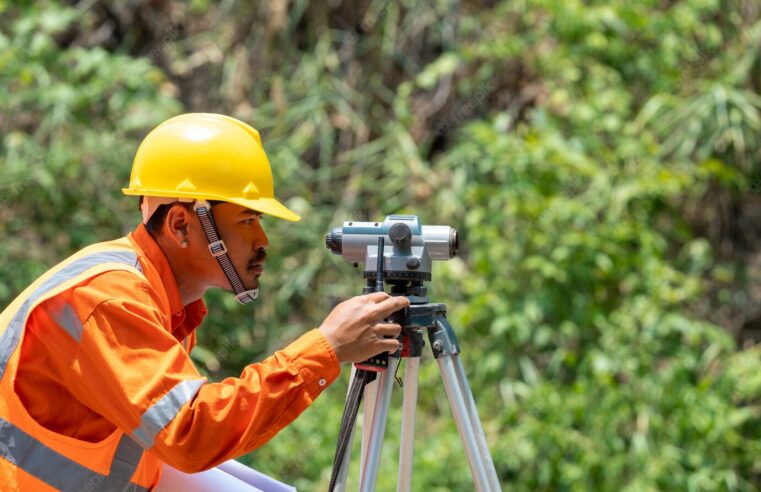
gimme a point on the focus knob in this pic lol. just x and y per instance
(413, 263)
(400, 234)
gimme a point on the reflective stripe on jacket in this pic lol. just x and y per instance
(35, 458)
(98, 388)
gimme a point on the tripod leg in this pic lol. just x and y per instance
(475, 422)
(463, 421)
(409, 404)
(344, 470)
(378, 427)
(368, 407)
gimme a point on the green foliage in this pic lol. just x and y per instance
(569, 142)
(69, 130)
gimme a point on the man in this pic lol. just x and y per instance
(97, 387)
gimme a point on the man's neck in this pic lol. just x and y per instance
(190, 284)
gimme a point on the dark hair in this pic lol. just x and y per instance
(154, 224)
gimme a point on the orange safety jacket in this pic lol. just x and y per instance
(97, 389)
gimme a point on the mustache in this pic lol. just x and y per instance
(261, 255)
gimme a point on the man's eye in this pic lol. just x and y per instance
(253, 218)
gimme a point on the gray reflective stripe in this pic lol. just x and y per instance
(164, 410)
(12, 334)
(53, 468)
(67, 318)
(126, 458)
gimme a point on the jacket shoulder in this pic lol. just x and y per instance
(121, 285)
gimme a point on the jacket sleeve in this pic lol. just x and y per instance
(133, 372)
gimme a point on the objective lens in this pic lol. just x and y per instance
(454, 243)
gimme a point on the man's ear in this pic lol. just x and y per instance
(177, 223)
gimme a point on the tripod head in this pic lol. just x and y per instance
(407, 263)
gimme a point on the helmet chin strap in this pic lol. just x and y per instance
(219, 251)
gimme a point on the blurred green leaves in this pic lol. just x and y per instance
(68, 123)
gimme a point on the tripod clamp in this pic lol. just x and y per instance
(441, 335)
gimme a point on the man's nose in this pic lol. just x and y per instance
(260, 239)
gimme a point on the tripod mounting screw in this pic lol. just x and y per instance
(437, 345)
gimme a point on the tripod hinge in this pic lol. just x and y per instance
(443, 341)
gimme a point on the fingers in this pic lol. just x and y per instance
(376, 296)
(388, 329)
(379, 305)
(383, 299)
(391, 305)
(356, 328)
(391, 345)
(396, 303)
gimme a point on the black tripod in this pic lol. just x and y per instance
(419, 316)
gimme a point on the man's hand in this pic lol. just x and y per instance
(356, 330)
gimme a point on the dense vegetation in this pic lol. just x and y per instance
(600, 159)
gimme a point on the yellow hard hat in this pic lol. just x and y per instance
(206, 156)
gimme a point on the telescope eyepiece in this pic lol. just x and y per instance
(334, 241)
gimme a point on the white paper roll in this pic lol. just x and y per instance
(230, 476)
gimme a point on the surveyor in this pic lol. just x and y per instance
(97, 390)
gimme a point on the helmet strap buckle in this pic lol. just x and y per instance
(201, 204)
(247, 296)
(218, 248)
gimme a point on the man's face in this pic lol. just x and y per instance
(246, 242)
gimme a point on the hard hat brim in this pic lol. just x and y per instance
(267, 206)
